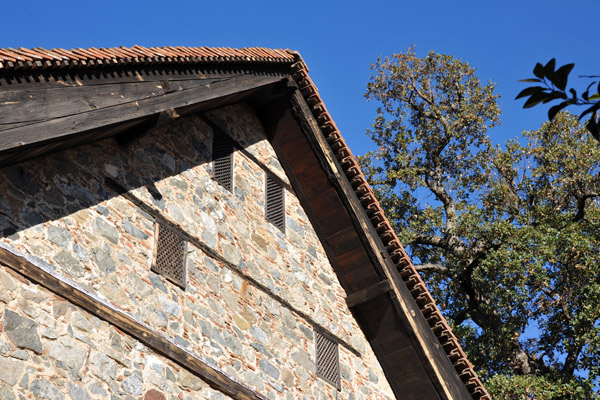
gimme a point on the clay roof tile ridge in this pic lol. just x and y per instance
(19, 55)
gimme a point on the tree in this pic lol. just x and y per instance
(505, 238)
(554, 88)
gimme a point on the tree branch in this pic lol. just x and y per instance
(460, 316)
(581, 205)
(433, 180)
(439, 116)
(448, 242)
(571, 360)
(429, 267)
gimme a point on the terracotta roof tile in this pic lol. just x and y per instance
(85, 54)
(129, 51)
(95, 53)
(33, 54)
(5, 55)
(60, 54)
(142, 51)
(18, 55)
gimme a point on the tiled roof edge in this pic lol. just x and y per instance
(40, 58)
(373, 209)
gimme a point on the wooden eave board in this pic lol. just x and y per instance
(68, 108)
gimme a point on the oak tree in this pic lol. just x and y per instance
(506, 238)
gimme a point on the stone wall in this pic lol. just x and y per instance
(53, 350)
(254, 293)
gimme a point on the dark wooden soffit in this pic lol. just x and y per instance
(53, 110)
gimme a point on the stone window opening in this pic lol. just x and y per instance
(170, 254)
(274, 202)
(327, 359)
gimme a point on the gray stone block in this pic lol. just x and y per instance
(22, 331)
(46, 390)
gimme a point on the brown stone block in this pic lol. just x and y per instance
(154, 394)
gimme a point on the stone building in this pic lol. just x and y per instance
(188, 223)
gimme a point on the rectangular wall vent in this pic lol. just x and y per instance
(275, 202)
(170, 253)
(222, 160)
(328, 359)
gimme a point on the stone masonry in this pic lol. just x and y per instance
(253, 297)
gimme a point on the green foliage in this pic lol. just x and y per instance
(504, 238)
(538, 387)
(555, 88)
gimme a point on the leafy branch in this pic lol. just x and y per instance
(554, 88)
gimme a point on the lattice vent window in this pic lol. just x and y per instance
(170, 253)
(275, 202)
(328, 359)
(222, 160)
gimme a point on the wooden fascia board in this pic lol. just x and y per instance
(444, 376)
(31, 132)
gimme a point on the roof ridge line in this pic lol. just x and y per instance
(40, 58)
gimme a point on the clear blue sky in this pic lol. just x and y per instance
(338, 39)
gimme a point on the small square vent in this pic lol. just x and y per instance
(170, 253)
(328, 359)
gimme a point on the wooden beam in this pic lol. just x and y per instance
(103, 309)
(138, 105)
(368, 293)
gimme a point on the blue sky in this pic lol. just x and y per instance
(339, 40)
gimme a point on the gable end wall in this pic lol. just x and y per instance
(254, 293)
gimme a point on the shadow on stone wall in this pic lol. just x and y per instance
(54, 186)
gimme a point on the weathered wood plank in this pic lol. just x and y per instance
(38, 104)
(60, 127)
(368, 293)
(104, 310)
(335, 220)
(354, 259)
(404, 367)
(414, 386)
(344, 241)
(20, 154)
(91, 76)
